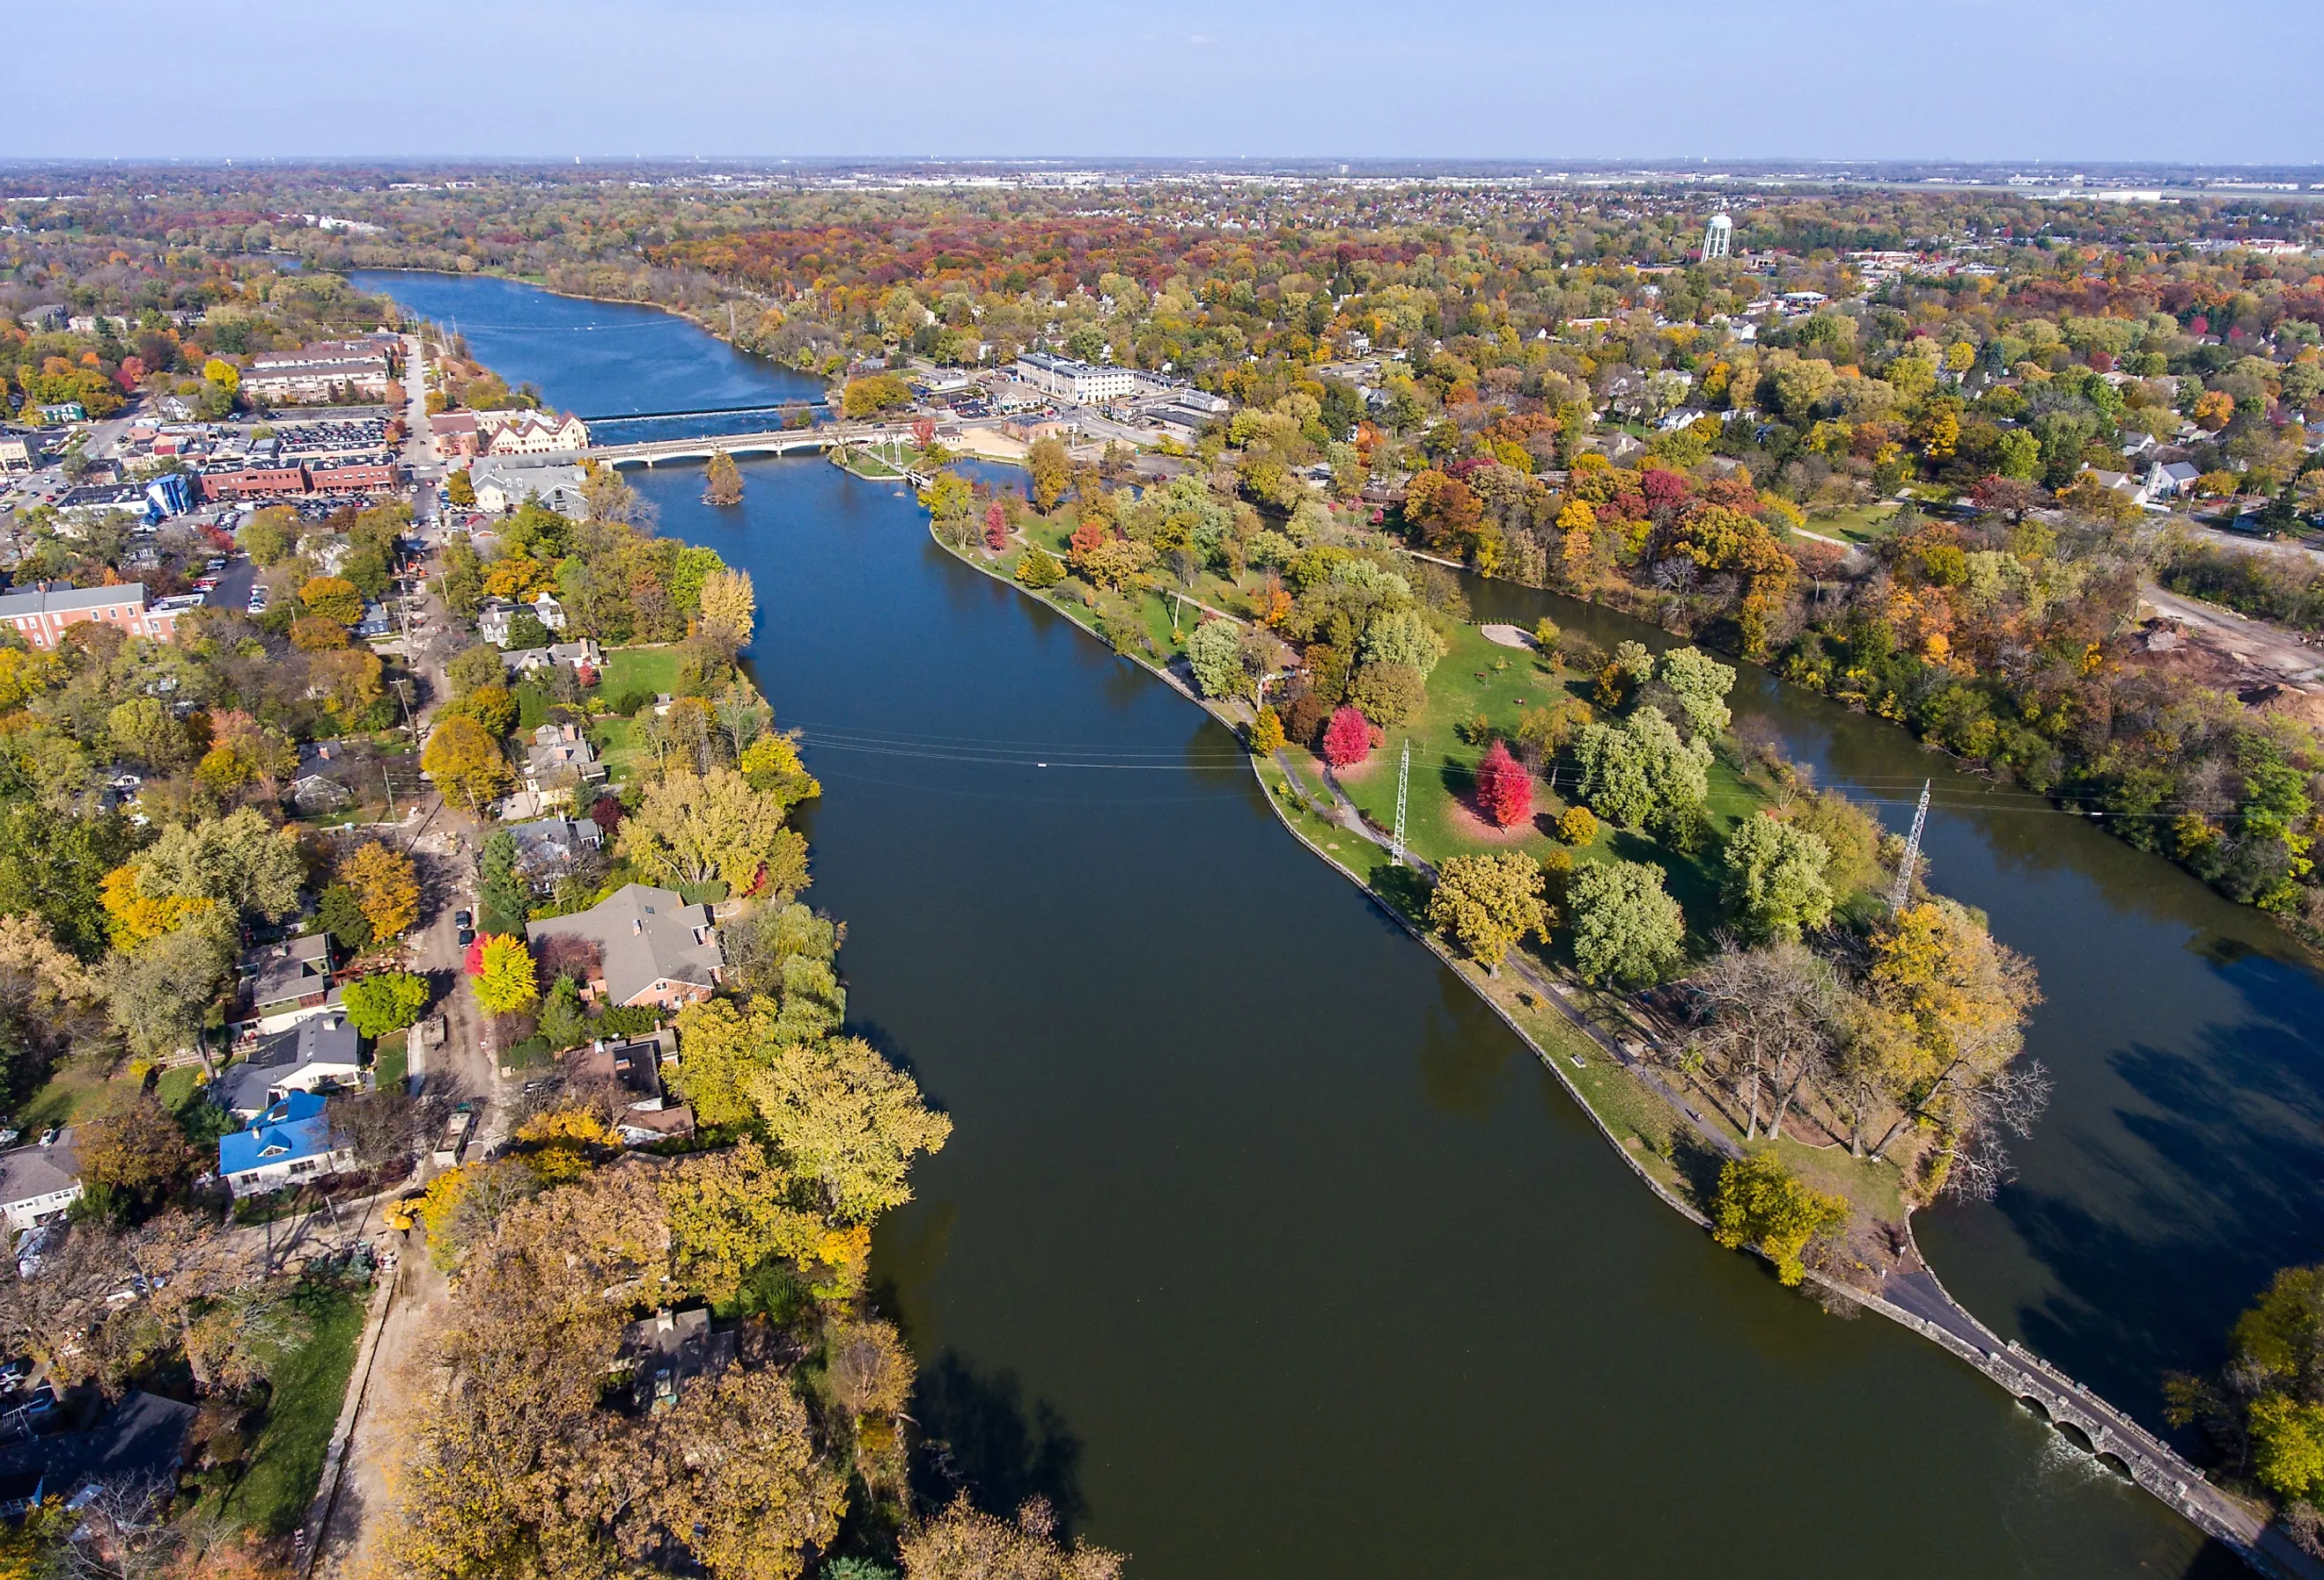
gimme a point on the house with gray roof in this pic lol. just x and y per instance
(287, 983)
(548, 849)
(653, 948)
(38, 1183)
(559, 759)
(319, 1054)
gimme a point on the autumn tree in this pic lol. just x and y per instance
(730, 604)
(333, 598)
(1504, 788)
(1214, 653)
(695, 828)
(1266, 732)
(464, 761)
(505, 982)
(240, 861)
(723, 482)
(847, 1118)
(1761, 1203)
(137, 1153)
(963, 1543)
(1051, 470)
(385, 884)
(1347, 739)
(1489, 903)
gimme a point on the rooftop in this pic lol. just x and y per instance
(648, 935)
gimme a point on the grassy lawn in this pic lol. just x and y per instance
(286, 1463)
(175, 1088)
(78, 1090)
(391, 1060)
(616, 742)
(1859, 523)
(650, 669)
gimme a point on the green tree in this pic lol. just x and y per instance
(1214, 653)
(1401, 636)
(720, 1053)
(1626, 929)
(473, 668)
(159, 993)
(1775, 885)
(1761, 1203)
(563, 1020)
(340, 914)
(1040, 569)
(1489, 903)
(1639, 768)
(384, 1002)
(846, 1117)
(501, 895)
(1700, 684)
(270, 536)
(240, 861)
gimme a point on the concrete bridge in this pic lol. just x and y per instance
(779, 441)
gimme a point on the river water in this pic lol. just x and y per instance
(1261, 1250)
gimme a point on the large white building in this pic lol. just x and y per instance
(1074, 381)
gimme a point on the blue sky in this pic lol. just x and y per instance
(2197, 80)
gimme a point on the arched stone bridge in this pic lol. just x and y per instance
(777, 441)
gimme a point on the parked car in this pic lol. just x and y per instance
(468, 936)
(461, 918)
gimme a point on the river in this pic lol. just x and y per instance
(1262, 1249)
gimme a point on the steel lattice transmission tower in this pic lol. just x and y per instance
(1903, 891)
(1403, 776)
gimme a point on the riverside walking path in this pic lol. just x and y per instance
(1910, 1296)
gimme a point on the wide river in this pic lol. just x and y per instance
(1262, 1251)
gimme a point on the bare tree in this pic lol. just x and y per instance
(1978, 1158)
(1766, 1019)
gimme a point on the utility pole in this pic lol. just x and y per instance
(1403, 777)
(1903, 891)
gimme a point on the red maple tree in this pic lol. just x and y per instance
(1347, 739)
(996, 527)
(1504, 788)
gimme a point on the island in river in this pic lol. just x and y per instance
(1269, 1212)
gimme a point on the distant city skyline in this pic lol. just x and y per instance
(1978, 81)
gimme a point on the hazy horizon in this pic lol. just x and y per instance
(1977, 82)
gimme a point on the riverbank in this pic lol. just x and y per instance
(1596, 1048)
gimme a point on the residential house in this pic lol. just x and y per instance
(2168, 480)
(653, 948)
(666, 1353)
(141, 1441)
(584, 655)
(636, 1070)
(549, 611)
(548, 849)
(287, 983)
(492, 617)
(38, 1183)
(290, 1144)
(317, 1054)
(560, 759)
(43, 613)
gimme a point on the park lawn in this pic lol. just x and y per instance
(286, 1462)
(1859, 523)
(650, 669)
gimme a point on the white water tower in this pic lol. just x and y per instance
(1718, 237)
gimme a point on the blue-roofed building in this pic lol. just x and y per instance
(289, 1144)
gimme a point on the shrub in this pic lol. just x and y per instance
(1577, 826)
